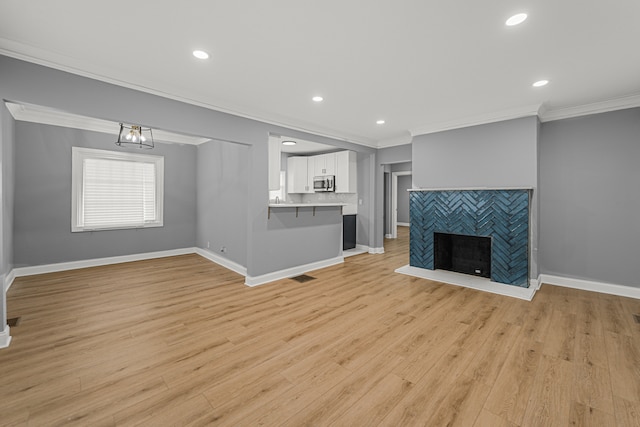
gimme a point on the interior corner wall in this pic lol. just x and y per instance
(7, 156)
(494, 155)
(222, 199)
(589, 197)
(42, 222)
(364, 190)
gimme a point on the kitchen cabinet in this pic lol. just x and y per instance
(346, 172)
(324, 164)
(342, 164)
(298, 175)
(348, 232)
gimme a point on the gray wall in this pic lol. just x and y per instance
(400, 167)
(269, 248)
(7, 147)
(386, 212)
(222, 169)
(590, 197)
(498, 155)
(387, 158)
(396, 154)
(404, 183)
(502, 154)
(363, 233)
(42, 223)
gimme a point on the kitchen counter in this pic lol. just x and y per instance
(297, 206)
(304, 205)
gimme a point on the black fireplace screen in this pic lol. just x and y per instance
(462, 254)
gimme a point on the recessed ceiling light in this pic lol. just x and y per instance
(317, 99)
(540, 83)
(380, 122)
(516, 19)
(288, 142)
(200, 54)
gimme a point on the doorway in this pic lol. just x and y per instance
(399, 202)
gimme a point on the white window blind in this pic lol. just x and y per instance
(116, 190)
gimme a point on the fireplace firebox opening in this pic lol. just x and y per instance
(462, 254)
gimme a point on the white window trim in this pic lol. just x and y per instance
(78, 154)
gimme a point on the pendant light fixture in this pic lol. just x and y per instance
(135, 136)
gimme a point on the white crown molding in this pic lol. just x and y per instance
(38, 56)
(34, 55)
(48, 116)
(393, 142)
(630, 101)
(481, 119)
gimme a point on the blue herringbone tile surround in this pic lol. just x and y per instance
(500, 214)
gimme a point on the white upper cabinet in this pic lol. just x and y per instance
(301, 170)
(298, 175)
(346, 172)
(324, 164)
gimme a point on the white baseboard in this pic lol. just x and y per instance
(534, 283)
(403, 224)
(355, 251)
(8, 280)
(74, 265)
(363, 248)
(376, 251)
(224, 262)
(388, 236)
(469, 281)
(587, 285)
(291, 272)
(5, 337)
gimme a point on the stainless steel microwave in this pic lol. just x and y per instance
(324, 183)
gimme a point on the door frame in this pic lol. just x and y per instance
(394, 201)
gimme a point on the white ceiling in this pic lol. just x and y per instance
(421, 65)
(303, 147)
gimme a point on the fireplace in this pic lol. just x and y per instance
(502, 215)
(462, 254)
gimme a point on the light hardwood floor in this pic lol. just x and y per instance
(181, 341)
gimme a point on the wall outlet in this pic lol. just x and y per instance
(223, 249)
(208, 245)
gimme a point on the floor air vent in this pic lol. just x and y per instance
(637, 318)
(302, 278)
(13, 322)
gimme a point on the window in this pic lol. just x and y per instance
(112, 190)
